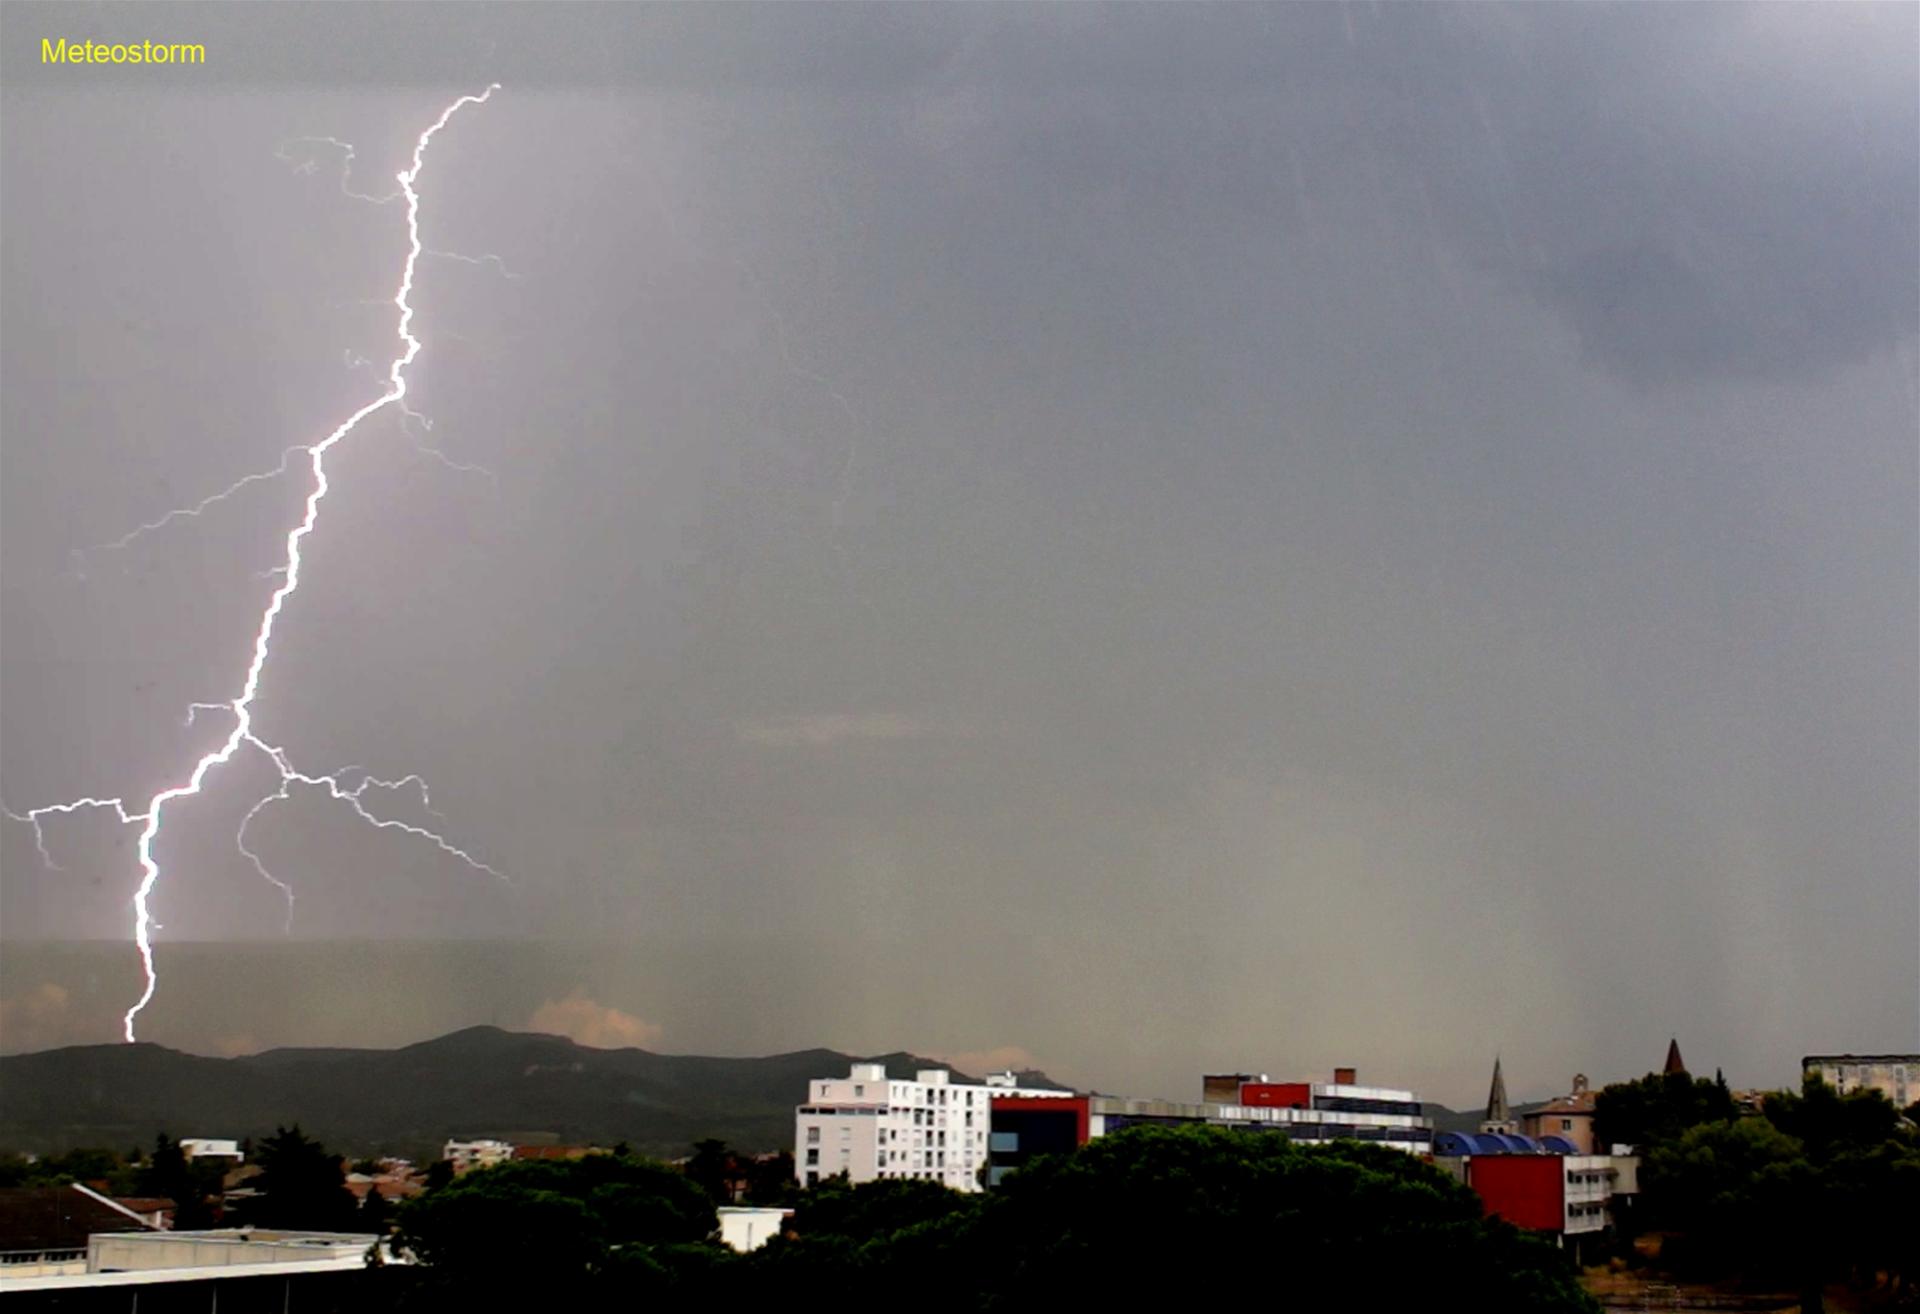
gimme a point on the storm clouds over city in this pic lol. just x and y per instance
(1131, 539)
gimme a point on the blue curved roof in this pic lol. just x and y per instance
(1459, 1143)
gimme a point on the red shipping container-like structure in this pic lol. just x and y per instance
(1528, 1190)
(1276, 1094)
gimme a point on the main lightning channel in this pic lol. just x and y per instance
(242, 704)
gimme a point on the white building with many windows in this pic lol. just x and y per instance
(870, 1126)
(1897, 1076)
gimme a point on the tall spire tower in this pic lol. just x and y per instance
(1674, 1061)
(1499, 1117)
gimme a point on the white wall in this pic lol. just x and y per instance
(746, 1228)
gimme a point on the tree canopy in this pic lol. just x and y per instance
(560, 1225)
(1823, 1187)
(302, 1185)
(1230, 1213)
(1658, 1108)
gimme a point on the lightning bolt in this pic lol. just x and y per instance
(309, 162)
(410, 417)
(193, 512)
(241, 707)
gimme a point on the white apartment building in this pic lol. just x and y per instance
(870, 1126)
(476, 1154)
(1897, 1076)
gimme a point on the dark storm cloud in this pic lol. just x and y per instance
(1701, 190)
(1188, 535)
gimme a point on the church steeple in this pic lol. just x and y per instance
(1674, 1061)
(1499, 1117)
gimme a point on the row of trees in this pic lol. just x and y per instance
(1217, 1212)
(1818, 1187)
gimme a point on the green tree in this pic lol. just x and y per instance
(375, 1213)
(302, 1185)
(713, 1170)
(561, 1225)
(191, 1186)
(1824, 1187)
(1658, 1109)
(770, 1180)
(1351, 1225)
(1193, 1208)
(837, 1207)
(1829, 1123)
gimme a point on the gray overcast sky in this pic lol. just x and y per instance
(1153, 537)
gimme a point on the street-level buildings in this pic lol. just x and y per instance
(467, 1155)
(870, 1127)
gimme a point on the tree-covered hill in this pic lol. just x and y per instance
(477, 1082)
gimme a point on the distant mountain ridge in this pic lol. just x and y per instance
(476, 1082)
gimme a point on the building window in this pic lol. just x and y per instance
(813, 1157)
(858, 1091)
(1566, 1124)
(813, 1136)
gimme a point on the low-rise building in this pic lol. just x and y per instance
(156, 1211)
(128, 1252)
(1341, 1109)
(557, 1151)
(747, 1227)
(467, 1155)
(388, 1186)
(199, 1147)
(1542, 1184)
(1897, 1076)
(1313, 1112)
(230, 1268)
(1569, 1116)
(44, 1230)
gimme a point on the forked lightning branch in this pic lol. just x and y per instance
(348, 785)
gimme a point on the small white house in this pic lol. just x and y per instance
(745, 1227)
(198, 1147)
